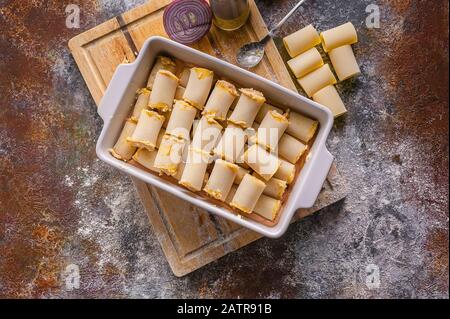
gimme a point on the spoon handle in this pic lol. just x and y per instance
(275, 28)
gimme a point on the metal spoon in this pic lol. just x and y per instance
(250, 54)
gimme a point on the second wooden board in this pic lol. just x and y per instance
(190, 237)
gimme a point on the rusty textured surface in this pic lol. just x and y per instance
(59, 205)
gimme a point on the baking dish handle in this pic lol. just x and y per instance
(314, 181)
(115, 91)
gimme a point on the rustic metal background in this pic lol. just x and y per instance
(60, 206)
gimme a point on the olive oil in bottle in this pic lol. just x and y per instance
(230, 15)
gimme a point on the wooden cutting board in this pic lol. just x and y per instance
(190, 237)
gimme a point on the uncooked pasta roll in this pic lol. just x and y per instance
(247, 108)
(267, 207)
(275, 187)
(233, 105)
(207, 134)
(290, 148)
(141, 103)
(170, 154)
(240, 174)
(339, 36)
(344, 62)
(251, 133)
(147, 130)
(167, 116)
(285, 172)
(231, 144)
(317, 79)
(271, 129)
(220, 100)
(182, 165)
(162, 132)
(179, 93)
(184, 76)
(195, 169)
(248, 193)
(122, 149)
(301, 40)
(265, 108)
(163, 91)
(181, 119)
(198, 87)
(306, 62)
(162, 63)
(221, 179)
(301, 127)
(261, 161)
(147, 159)
(330, 98)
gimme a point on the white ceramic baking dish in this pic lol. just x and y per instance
(119, 97)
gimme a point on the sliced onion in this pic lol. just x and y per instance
(187, 21)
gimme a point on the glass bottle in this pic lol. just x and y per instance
(230, 15)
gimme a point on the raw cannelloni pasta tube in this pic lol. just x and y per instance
(170, 154)
(330, 98)
(271, 129)
(207, 134)
(122, 149)
(274, 187)
(198, 87)
(141, 103)
(317, 79)
(147, 159)
(248, 193)
(265, 108)
(267, 207)
(162, 132)
(285, 172)
(163, 91)
(179, 93)
(184, 76)
(261, 161)
(306, 62)
(182, 165)
(233, 105)
(231, 144)
(181, 119)
(162, 63)
(241, 160)
(240, 174)
(167, 116)
(344, 62)
(301, 40)
(290, 148)
(221, 179)
(195, 169)
(301, 126)
(339, 36)
(194, 127)
(147, 130)
(247, 108)
(220, 100)
(251, 133)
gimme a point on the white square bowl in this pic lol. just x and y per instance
(128, 78)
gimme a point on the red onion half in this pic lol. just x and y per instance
(187, 21)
